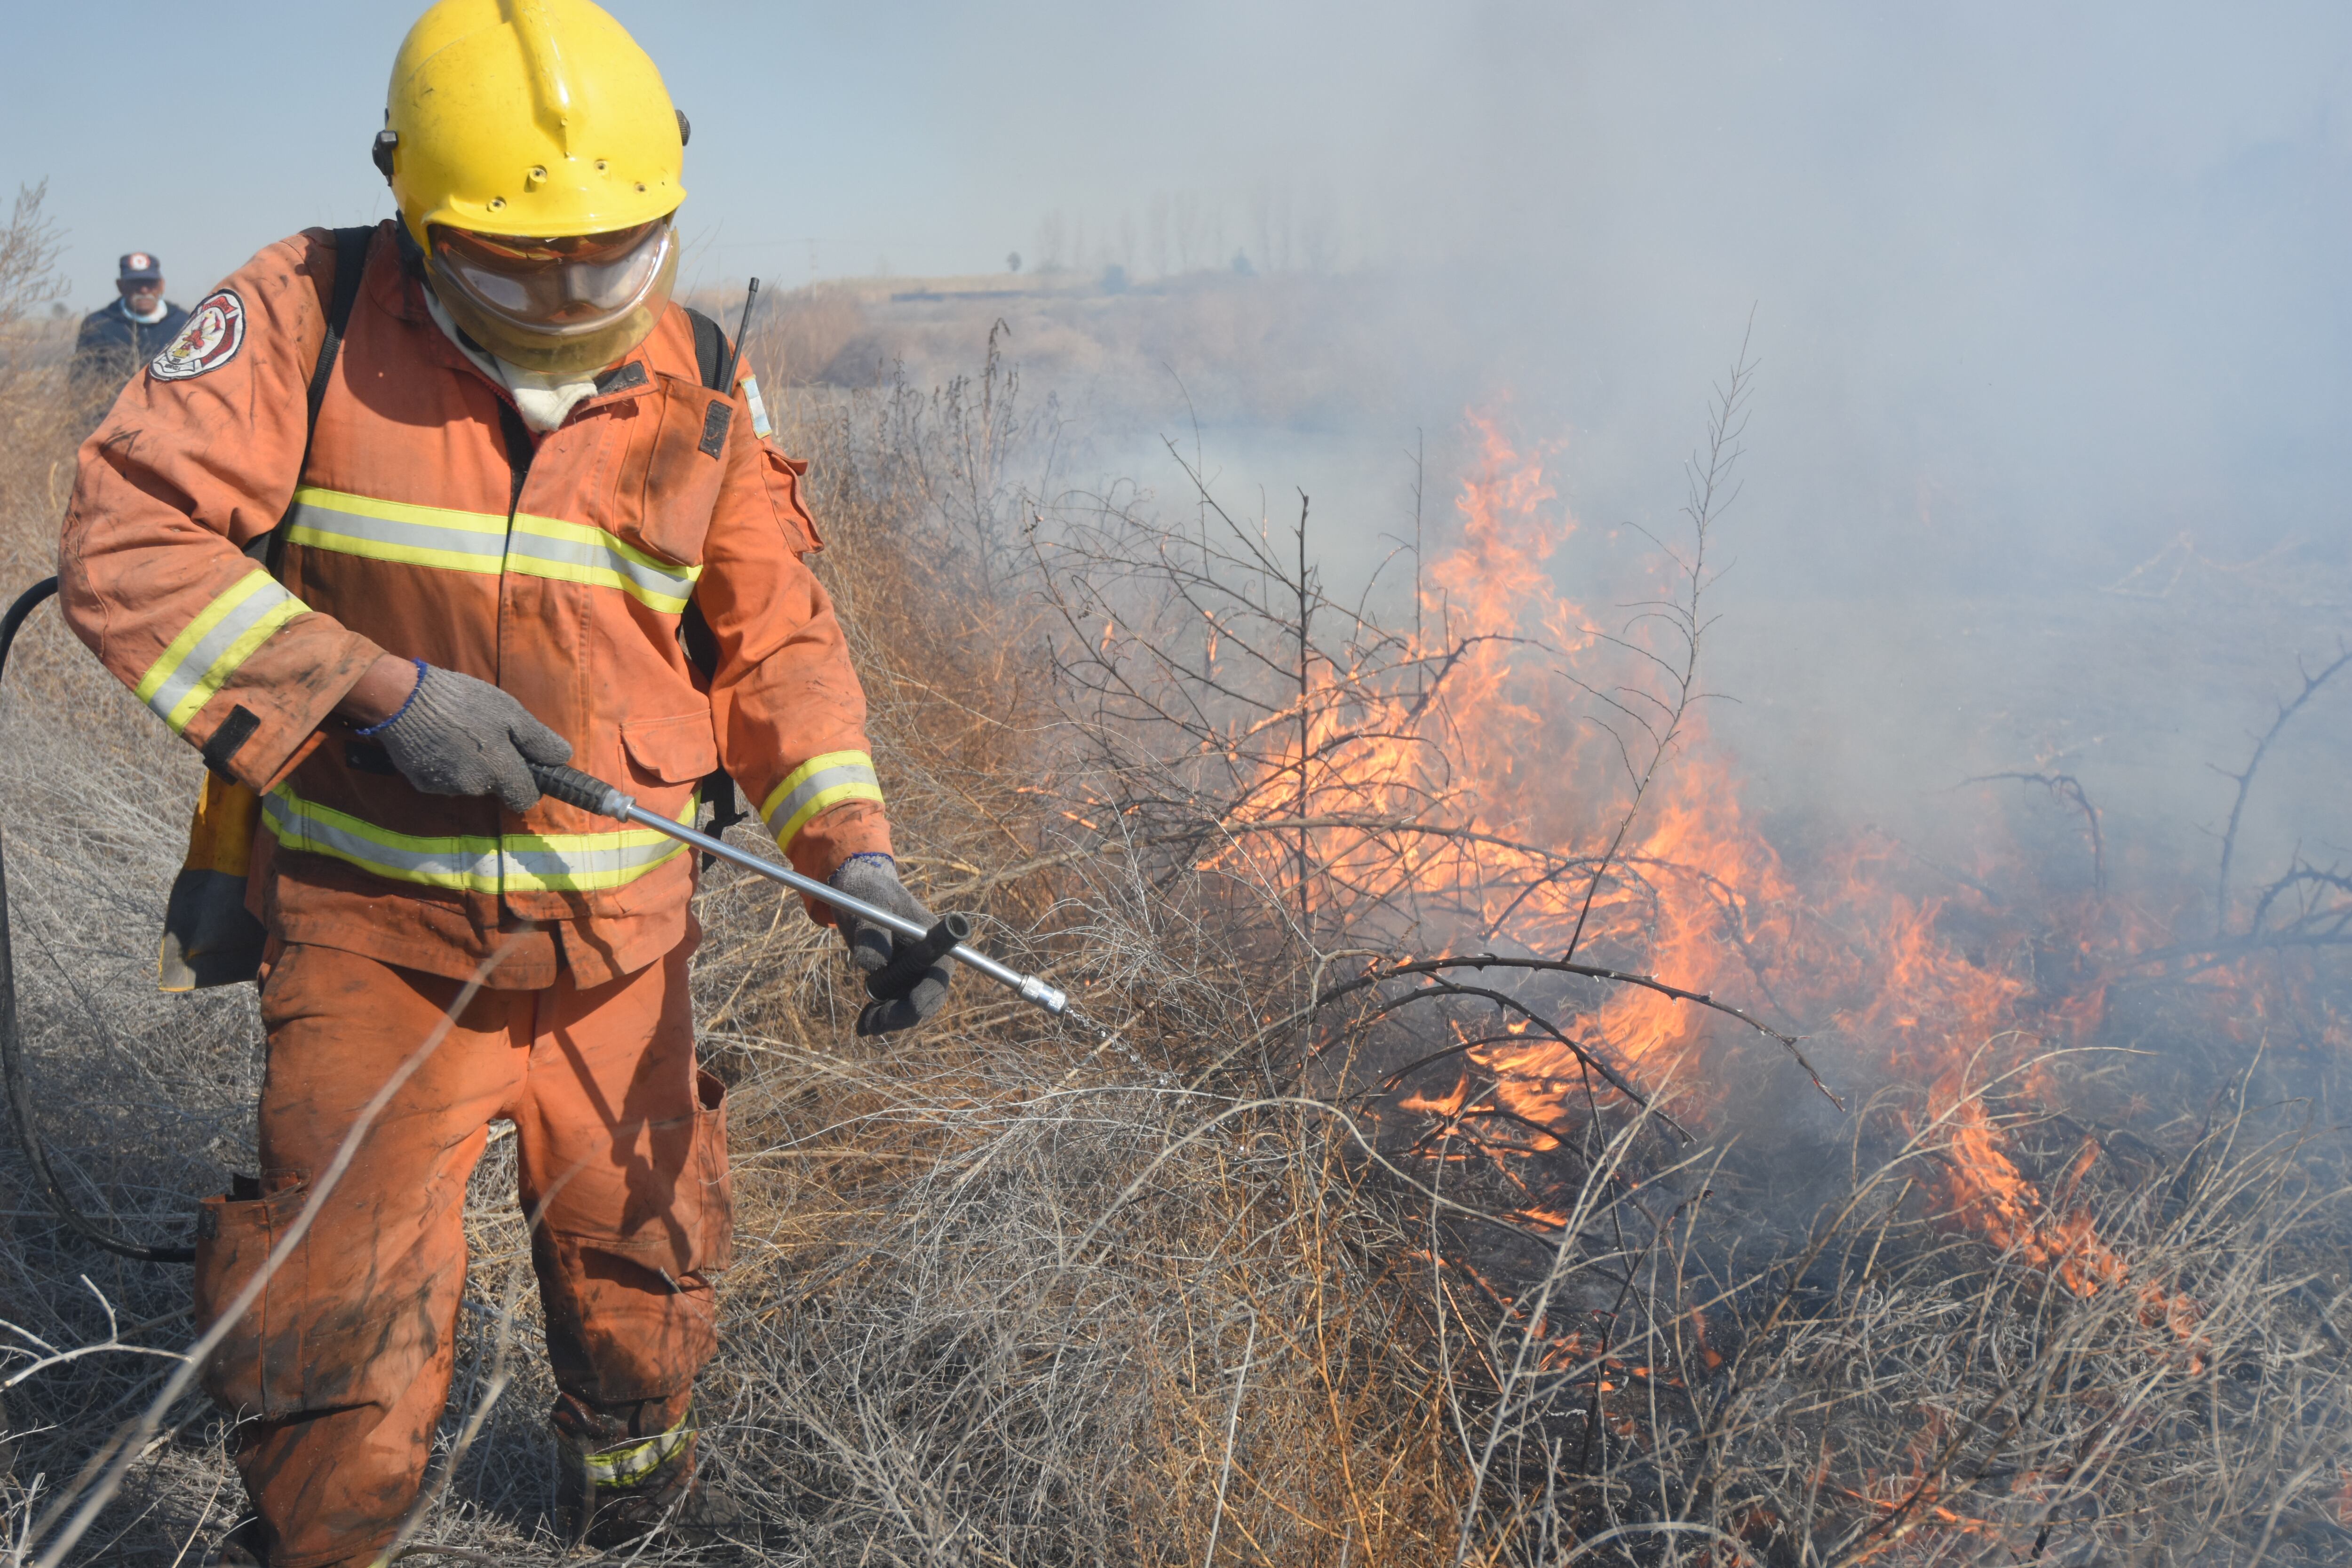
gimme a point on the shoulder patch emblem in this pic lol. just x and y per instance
(215, 332)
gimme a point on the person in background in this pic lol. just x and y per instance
(116, 342)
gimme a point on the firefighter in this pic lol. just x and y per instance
(514, 505)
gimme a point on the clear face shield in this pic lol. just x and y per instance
(566, 306)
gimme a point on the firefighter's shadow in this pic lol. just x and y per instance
(503, 1482)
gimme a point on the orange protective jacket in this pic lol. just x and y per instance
(409, 530)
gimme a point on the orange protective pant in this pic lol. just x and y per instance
(341, 1367)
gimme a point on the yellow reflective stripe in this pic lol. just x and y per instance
(394, 530)
(816, 786)
(582, 862)
(575, 553)
(210, 647)
(625, 1466)
(473, 863)
(481, 542)
(464, 863)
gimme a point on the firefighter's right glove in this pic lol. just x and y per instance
(459, 735)
(875, 879)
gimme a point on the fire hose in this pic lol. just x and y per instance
(948, 937)
(12, 1046)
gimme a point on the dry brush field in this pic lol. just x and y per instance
(1483, 1144)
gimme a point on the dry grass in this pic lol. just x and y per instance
(928, 1357)
(798, 335)
(1013, 1292)
(806, 333)
(1272, 352)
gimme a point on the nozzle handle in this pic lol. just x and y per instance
(573, 787)
(909, 959)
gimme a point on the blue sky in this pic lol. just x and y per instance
(929, 137)
(2090, 264)
(936, 135)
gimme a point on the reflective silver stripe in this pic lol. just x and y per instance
(482, 542)
(210, 648)
(760, 425)
(474, 863)
(575, 553)
(815, 785)
(396, 530)
(464, 863)
(572, 864)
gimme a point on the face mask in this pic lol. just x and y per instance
(561, 306)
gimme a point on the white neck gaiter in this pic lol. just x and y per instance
(545, 401)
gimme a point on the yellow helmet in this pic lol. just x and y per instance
(538, 119)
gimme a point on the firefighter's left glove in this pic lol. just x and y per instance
(875, 879)
(459, 735)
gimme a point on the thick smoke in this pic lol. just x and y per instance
(2036, 293)
(2038, 288)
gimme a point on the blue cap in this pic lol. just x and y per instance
(140, 266)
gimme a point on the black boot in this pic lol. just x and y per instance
(611, 1492)
(247, 1546)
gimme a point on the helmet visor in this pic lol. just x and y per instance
(569, 287)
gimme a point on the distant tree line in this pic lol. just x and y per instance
(1275, 228)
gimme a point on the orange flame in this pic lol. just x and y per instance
(1481, 743)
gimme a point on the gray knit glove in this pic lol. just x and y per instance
(875, 879)
(459, 735)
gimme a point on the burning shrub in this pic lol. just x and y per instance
(1683, 1307)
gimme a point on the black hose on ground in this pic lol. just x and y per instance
(12, 1052)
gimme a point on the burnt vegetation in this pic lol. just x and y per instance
(1479, 1145)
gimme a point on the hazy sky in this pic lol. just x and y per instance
(934, 136)
(2026, 271)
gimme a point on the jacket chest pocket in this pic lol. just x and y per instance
(677, 456)
(675, 750)
(783, 477)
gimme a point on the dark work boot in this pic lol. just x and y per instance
(248, 1546)
(244, 1547)
(613, 1489)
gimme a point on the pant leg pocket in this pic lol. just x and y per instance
(257, 1368)
(706, 1179)
(674, 1214)
(631, 1312)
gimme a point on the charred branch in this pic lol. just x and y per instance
(1426, 966)
(2311, 683)
(2065, 787)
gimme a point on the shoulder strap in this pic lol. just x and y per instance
(702, 652)
(701, 648)
(710, 349)
(350, 265)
